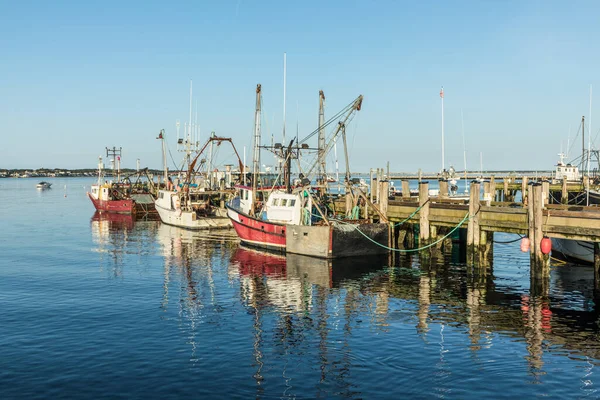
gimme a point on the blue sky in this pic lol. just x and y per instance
(78, 77)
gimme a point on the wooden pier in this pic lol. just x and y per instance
(490, 207)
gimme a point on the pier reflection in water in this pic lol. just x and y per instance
(366, 327)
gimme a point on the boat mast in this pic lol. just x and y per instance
(161, 136)
(210, 162)
(321, 151)
(442, 96)
(256, 156)
(284, 87)
(100, 166)
(189, 130)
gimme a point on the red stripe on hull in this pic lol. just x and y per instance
(114, 206)
(256, 232)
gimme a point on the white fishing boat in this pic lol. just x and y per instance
(576, 250)
(43, 185)
(196, 201)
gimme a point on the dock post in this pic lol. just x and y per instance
(486, 247)
(423, 213)
(473, 224)
(384, 189)
(493, 187)
(524, 190)
(564, 197)
(373, 189)
(539, 265)
(443, 188)
(545, 193)
(505, 195)
(530, 220)
(405, 189)
(410, 237)
(488, 193)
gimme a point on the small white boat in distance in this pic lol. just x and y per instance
(43, 185)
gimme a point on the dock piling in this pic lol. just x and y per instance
(424, 213)
(405, 189)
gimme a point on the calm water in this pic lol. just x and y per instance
(112, 308)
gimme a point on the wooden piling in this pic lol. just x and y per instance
(505, 189)
(473, 238)
(530, 218)
(373, 187)
(524, 190)
(423, 213)
(384, 187)
(538, 263)
(564, 197)
(545, 193)
(493, 187)
(487, 193)
(405, 189)
(410, 237)
(486, 246)
(443, 188)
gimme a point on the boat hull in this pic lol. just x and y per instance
(189, 219)
(336, 240)
(113, 206)
(574, 250)
(258, 233)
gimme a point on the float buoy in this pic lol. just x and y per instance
(525, 243)
(546, 245)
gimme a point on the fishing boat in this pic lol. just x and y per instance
(43, 185)
(576, 250)
(121, 196)
(196, 201)
(299, 219)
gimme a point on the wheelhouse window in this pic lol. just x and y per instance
(292, 203)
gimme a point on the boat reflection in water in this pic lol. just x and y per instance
(118, 236)
(301, 325)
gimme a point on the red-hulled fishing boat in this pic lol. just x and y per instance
(295, 219)
(119, 197)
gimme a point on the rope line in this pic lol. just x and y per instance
(409, 250)
(509, 241)
(413, 214)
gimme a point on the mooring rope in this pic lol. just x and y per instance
(413, 214)
(509, 241)
(407, 250)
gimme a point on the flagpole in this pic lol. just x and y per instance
(442, 96)
(589, 148)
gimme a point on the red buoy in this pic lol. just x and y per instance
(525, 243)
(546, 245)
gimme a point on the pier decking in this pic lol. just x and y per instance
(491, 208)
